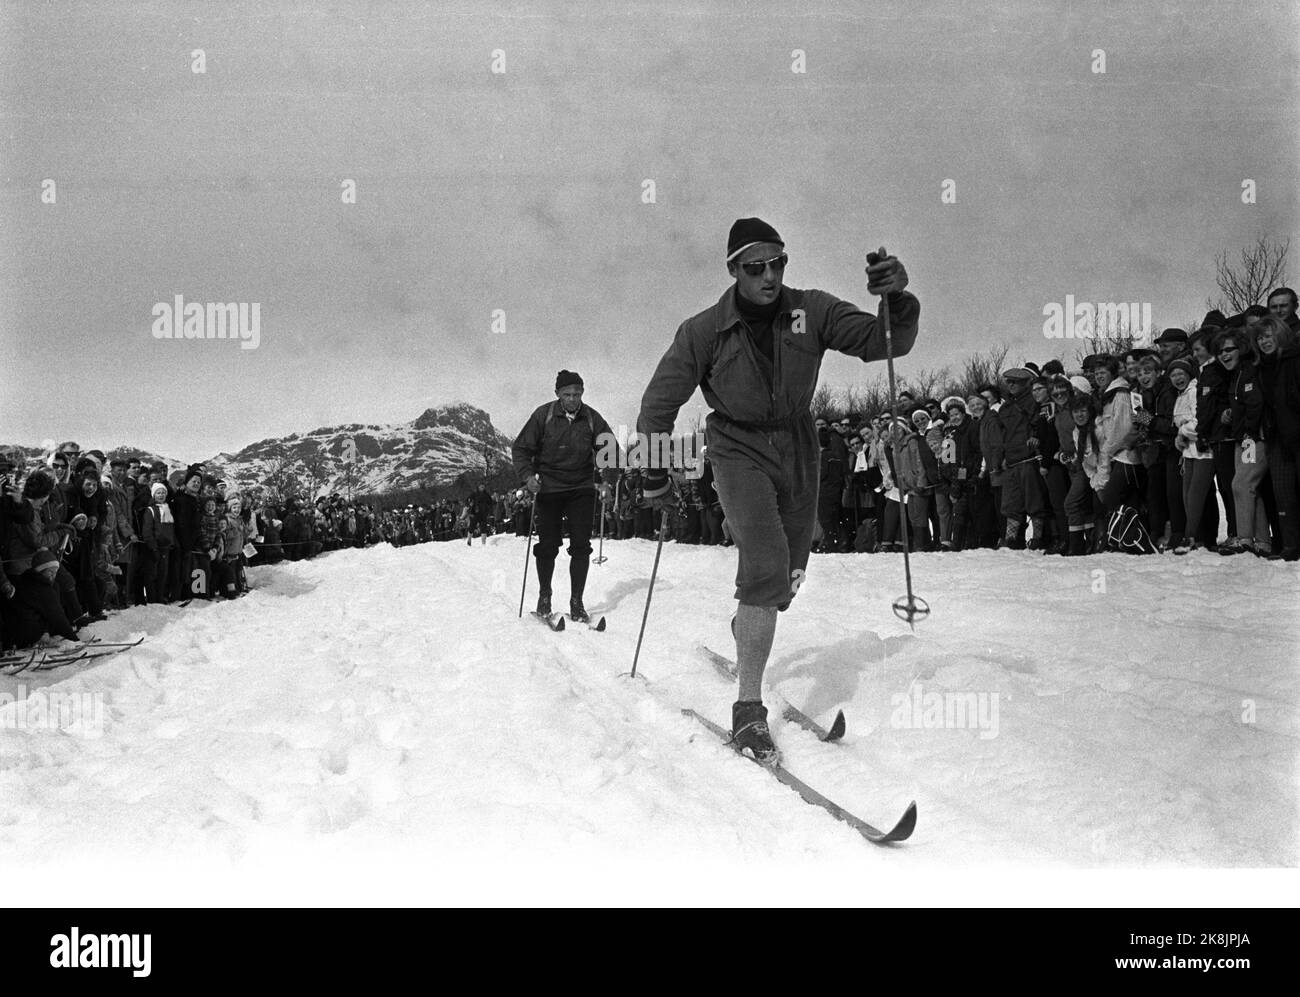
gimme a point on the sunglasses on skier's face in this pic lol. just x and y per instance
(755, 268)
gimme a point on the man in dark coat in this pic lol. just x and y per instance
(555, 459)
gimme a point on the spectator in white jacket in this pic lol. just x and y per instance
(1121, 478)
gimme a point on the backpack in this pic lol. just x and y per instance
(1127, 534)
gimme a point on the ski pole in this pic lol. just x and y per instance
(600, 555)
(912, 608)
(532, 518)
(663, 530)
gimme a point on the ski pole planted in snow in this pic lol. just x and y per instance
(663, 529)
(532, 517)
(600, 554)
(910, 608)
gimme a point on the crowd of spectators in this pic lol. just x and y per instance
(1126, 453)
(1132, 452)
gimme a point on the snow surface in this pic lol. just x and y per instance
(378, 723)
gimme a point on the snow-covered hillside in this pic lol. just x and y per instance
(384, 709)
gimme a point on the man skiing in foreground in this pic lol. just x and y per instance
(554, 457)
(756, 356)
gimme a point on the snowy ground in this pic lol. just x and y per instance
(379, 723)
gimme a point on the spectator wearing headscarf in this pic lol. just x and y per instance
(158, 534)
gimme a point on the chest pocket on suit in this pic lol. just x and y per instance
(800, 360)
(722, 369)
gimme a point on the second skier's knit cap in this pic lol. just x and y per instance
(566, 377)
(748, 232)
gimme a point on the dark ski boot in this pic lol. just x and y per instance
(749, 731)
(544, 604)
(577, 613)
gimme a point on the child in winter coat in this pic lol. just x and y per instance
(158, 534)
(229, 567)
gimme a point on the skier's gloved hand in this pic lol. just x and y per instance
(885, 274)
(533, 484)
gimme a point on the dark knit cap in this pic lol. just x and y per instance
(1184, 365)
(566, 377)
(194, 470)
(1053, 368)
(1215, 318)
(748, 231)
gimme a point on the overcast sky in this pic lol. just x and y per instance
(523, 191)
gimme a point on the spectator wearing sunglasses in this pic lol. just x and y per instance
(1243, 419)
(756, 354)
(55, 510)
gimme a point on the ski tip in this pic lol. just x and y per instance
(559, 624)
(837, 728)
(905, 826)
(600, 626)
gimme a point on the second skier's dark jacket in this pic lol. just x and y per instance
(561, 450)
